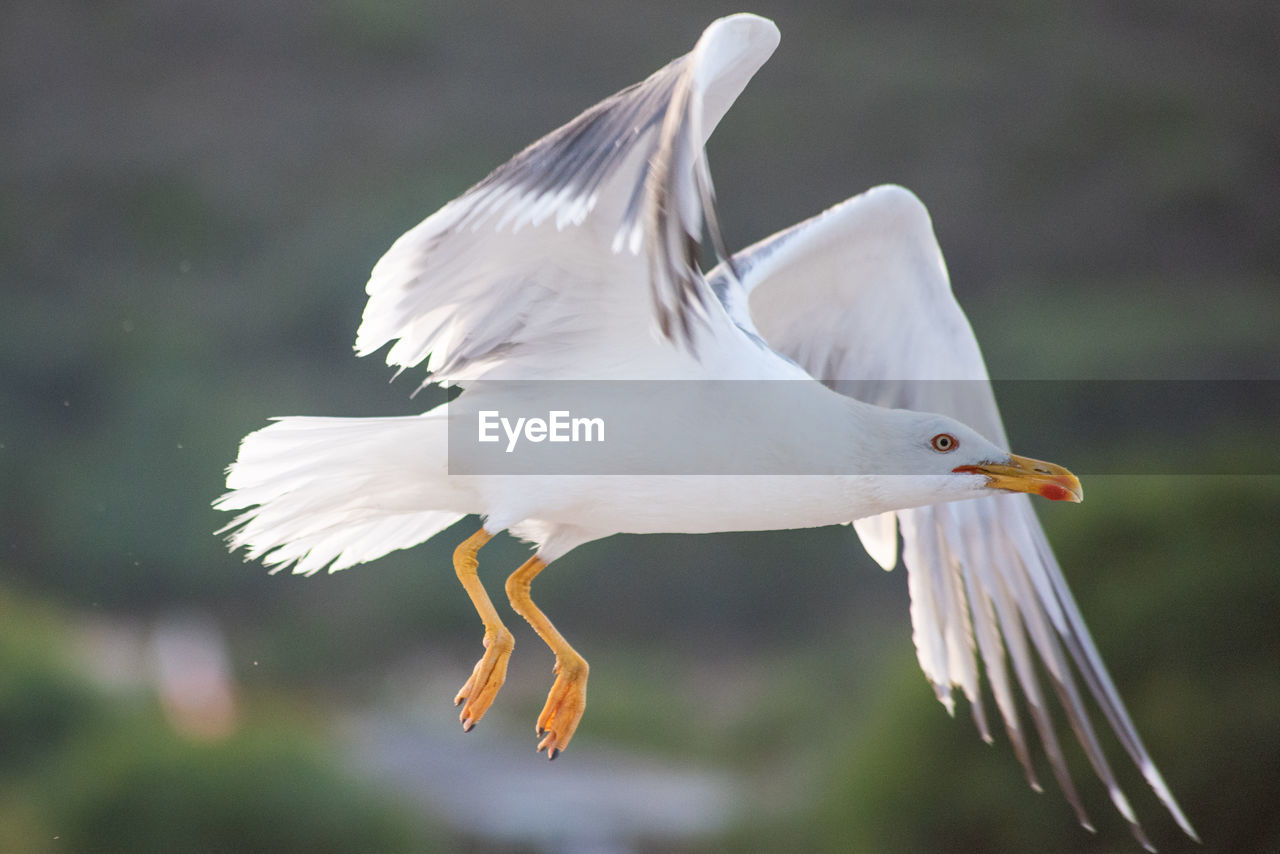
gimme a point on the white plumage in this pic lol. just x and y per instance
(575, 261)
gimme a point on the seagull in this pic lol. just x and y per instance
(577, 261)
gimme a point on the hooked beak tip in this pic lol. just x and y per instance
(1023, 474)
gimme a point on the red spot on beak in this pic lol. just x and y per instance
(1053, 492)
(1022, 474)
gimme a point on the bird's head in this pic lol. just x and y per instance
(960, 463)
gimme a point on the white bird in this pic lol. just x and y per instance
(576, 260)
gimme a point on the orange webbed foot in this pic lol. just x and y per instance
(488, 676)
(565, 705)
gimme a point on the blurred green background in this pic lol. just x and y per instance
(193, 195)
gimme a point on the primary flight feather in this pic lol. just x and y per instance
(574, 266)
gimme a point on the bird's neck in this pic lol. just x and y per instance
(875, 483)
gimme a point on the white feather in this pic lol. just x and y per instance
(879, 535)
(336, 492)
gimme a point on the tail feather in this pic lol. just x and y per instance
(336, 492)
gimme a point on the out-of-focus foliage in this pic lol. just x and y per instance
(44, 702)
(143, 789)
(83, 769)
(193, 195)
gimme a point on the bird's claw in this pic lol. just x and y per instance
(565, 705)
(486, 678)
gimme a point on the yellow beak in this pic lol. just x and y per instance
(1023, 474)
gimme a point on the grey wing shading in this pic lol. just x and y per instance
(859, 297)
(523, 258)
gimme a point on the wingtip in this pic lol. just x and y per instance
(735, 37)
(755, 26)
(1156, 781)
(1141, 835)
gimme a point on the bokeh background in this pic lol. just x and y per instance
(193, 194)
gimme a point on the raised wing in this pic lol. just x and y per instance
(541, 257)
(859, 297)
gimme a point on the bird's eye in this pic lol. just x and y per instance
(944, 442)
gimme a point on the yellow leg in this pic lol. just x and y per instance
(491, 670)
(568, 697)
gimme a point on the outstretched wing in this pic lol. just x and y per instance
(859, 297)
(584, 239)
